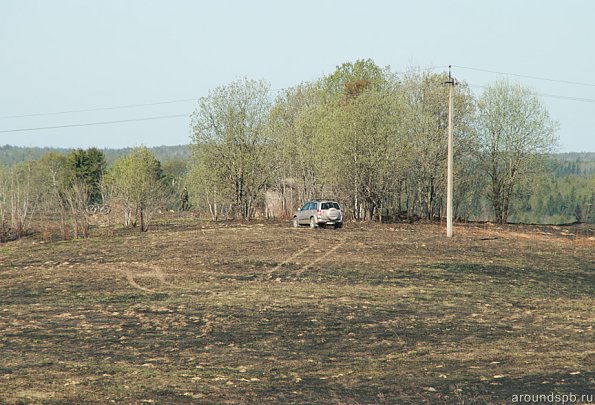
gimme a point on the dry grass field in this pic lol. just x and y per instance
(242, 313)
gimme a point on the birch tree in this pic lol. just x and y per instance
(516, 134)
(295, 121)
(232, 141)
(367, 150)
(137, 180)
(20, 197)
(427, 96)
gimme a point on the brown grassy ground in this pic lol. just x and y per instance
(215, 313)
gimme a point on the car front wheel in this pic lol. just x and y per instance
(295, 222)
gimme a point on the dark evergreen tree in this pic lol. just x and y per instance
(87, 168)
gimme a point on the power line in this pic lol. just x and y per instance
(581, 99)
(526, 76)
(88, 124)
(578, 99)
(119, 107)
(183, 100)
(570, 98)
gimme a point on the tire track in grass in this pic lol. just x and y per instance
(130, 277)
(328, 253)
(292, 257)
(156, 273)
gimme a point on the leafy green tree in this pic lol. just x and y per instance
(352, 137)
(137, 180)
(232, 142)
(207, 192)
(70, 183)
(516, 133)
(425, 188)
(351, 79)
(366, 148)
(295, 122)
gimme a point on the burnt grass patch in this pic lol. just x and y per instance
(215, 313)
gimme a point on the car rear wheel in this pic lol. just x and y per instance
(312, 223)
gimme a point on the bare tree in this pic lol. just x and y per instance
(20, 196)
(76, 197)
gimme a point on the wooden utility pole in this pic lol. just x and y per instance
(451, 86)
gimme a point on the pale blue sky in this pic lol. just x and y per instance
(65, 55)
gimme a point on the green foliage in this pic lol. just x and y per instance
(516, 134)
(424, 188)
(12, 155)
(54, 166)
(175, 173)
(559, 197)
(368, 139)
(351, 79)
(295, 121)
(137, 180)
(233, 144)
(87, 167)
(372, 139)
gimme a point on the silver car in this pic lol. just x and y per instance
(319, 213)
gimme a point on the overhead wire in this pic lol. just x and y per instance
(96, 123)
(569, 98)
(526, 76)
(183, 100)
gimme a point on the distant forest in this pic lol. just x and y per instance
(11, 155)
(569, 183)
